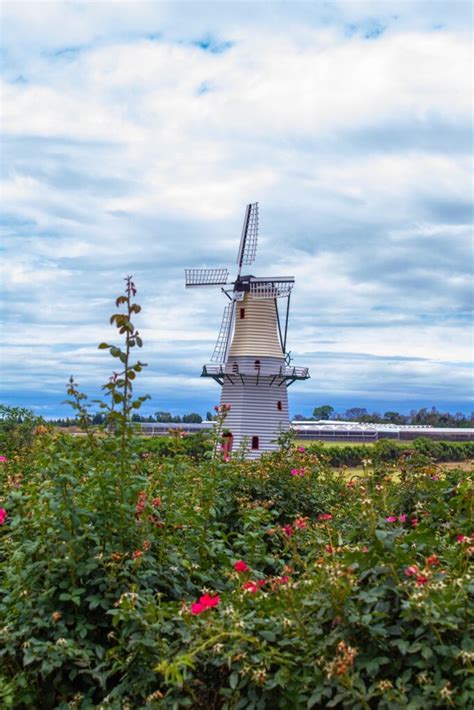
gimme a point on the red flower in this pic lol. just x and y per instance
(156, 502)
(197, 608)
(288, 530)
(300, 523)
(136, 554)
(461, 538)
(325, 516)
(432, 561)
(329, 549)
(3, 515)
(421, 580)
(241, 566)
(414, 522)
(140, 502)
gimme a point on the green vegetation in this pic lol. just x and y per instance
(139, 577)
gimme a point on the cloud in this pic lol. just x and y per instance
(133, 138)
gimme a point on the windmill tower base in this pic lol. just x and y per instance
(259, 404)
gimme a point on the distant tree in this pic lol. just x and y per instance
(355, 413)
(210, 417)
(323, 412)
(395, 418)
(98, 418)
(163, 417)
(192, 418)
(299, 418)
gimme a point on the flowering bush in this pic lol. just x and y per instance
(132, 581)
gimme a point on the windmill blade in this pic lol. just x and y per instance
(248, 240)
(206, 277)
(277, 287)
(220, 349)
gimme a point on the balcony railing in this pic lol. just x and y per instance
(230, 371)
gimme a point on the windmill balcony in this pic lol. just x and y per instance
(277, 374)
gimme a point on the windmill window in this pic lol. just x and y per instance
(257, 364)
(235, 367)
(242, 312)
(279, 406)
(255, 442)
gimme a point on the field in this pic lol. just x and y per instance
(139, 574)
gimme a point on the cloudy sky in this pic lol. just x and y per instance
(134, 134)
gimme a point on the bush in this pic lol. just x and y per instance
(161, 582)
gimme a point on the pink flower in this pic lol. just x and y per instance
(421, 580)
(411, 570)
(3, 459)
(325, 516)
(288, 530)
(301, 449)
(205, 602)
(435, 478)
(297, 471)
(461, 538)
(391, 519)
(282, 580)
(251, 587)
(3, 515)
(197, 608)
(241, 566)
(414, 522)
(402, 518)
(209, 601)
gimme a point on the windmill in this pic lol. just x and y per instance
(250, 360)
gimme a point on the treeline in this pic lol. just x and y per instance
(424, 416)
(158, 417)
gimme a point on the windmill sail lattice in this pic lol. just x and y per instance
(206, 277)
(220, 348)
(248, 241)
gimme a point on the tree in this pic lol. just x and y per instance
(323, 412)
(355, 412)
(192, 418)
(163, 417)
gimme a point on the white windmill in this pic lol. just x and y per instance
(250, 360)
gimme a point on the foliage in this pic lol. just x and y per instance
(17, 428)
(134, 579)
(390, 451)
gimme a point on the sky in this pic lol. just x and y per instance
(133, 136)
